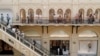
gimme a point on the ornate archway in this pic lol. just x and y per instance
(60, 12)
(38, 12)
(81, 12)
(23, 15)
(67, 15)
(89, 11)
(31, 15)
(51, 14)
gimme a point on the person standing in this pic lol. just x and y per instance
(2, 17)
(17, 17)
(8, 19)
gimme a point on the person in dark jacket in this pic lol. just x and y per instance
(2, 17)
(8, 19)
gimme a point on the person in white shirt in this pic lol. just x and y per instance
(14, 30)
(22, 34)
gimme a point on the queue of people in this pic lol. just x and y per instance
(16, 31)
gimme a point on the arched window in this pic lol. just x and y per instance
(87, 33)
(81, 12)
(59, 33)
(59, 16)
(31, 15)
(97, 13)
(67, 15)
(89, 11)
(23, 15)
(60, 12)
(39, 12)
(51, 14)
(38, 16)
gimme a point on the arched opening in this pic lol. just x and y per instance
(5, 49)
(87, 33)
(38, 12)
(81, 15)
(60, 12)
(97, 13)
(89, 11)
(30, 16)
(23, 15)
(81, 12)
(67, 15)
(38, 16)
(59, 15)
(51, 15)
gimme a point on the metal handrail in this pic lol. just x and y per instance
(24, 41)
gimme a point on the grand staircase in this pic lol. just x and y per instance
(21, 44)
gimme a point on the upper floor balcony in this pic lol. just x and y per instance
(44, 21)
(58, 18)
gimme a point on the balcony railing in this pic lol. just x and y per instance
(58, 21)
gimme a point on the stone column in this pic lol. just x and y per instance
(74, 43)
(45, 39)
